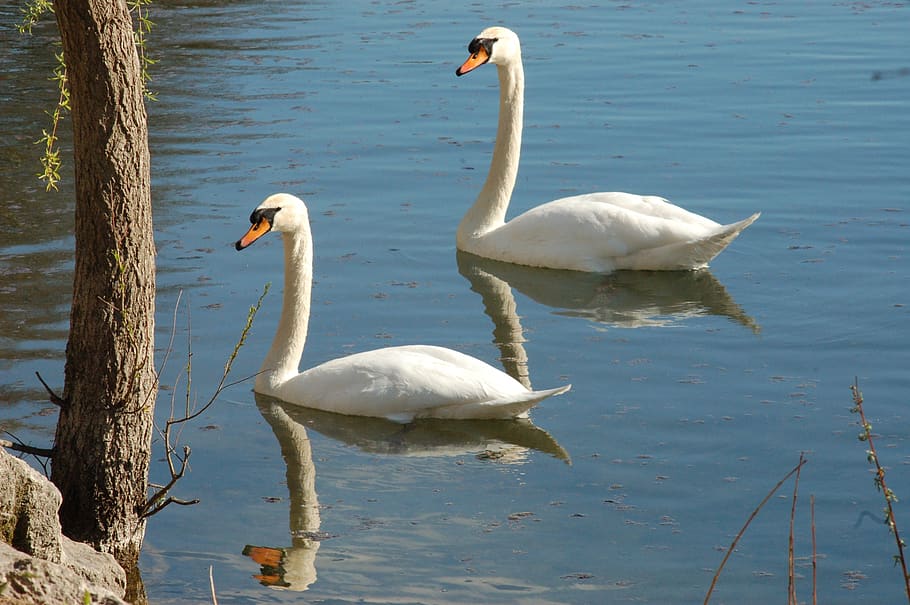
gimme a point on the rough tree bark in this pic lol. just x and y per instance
(103, 439)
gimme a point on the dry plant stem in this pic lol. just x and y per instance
(212, 586)
(223, 384)
(814, 552)
(872, 456)
(160, 498)
(170, 342)
(791, 573)
(745, 526)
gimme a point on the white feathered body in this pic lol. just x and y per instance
(399, 383)
(406, 382)
(607, 231)
(596, 232)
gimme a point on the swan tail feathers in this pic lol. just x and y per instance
(687, 255)
(736, 228)
(496, 409)
(711, 246)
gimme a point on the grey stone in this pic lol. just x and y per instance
(28, 510)
(38, 564)
(26, 579)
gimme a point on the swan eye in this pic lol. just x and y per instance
(481, 43)
(264, 213)
(481, 50)
(263, 219)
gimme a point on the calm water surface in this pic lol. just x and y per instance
(692, 393)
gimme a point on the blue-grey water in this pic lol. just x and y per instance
(693, 394)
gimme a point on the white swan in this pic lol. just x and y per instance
(398, 383)
(596, 232)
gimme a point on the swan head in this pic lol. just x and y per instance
(280, 212)
(496, 45)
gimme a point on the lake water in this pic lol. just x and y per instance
(693, 394)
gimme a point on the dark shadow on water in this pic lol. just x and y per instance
(294, 567)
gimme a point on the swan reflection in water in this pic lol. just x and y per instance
(294, 567)
(624, 299)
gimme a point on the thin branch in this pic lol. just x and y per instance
(150, 507)
(189, 361)
(743, 530)
(170, 500)
(791, 572)
(170, 342)
(27, 449)
(872, 457)
(242, 380)
(160, 499)
(814, 552)
(223, 384)
(54, 397)
(41, 455)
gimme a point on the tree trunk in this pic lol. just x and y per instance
(103, 438)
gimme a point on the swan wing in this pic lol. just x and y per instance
(652, 206)
(608, 231)
(403, 383)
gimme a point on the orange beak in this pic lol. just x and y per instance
(264, 555)
(269, 559)
(474, 61)
(255, 232)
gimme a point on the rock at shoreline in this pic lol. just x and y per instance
(38, 564)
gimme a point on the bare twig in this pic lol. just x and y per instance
(212, 585)
(745, 526)
(223, 384)
(170, 500)
(18, 446)
(791, 572)
(814, 552)
(160, 498)
(54, 397)
(41, 455)
(170, 342)
(872, 457)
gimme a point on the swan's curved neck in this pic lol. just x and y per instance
(489, 209)
(283, 358)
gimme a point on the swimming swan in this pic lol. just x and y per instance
(595, 232)
(398, 383)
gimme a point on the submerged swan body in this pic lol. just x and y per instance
(595, 232)
(398, 383)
